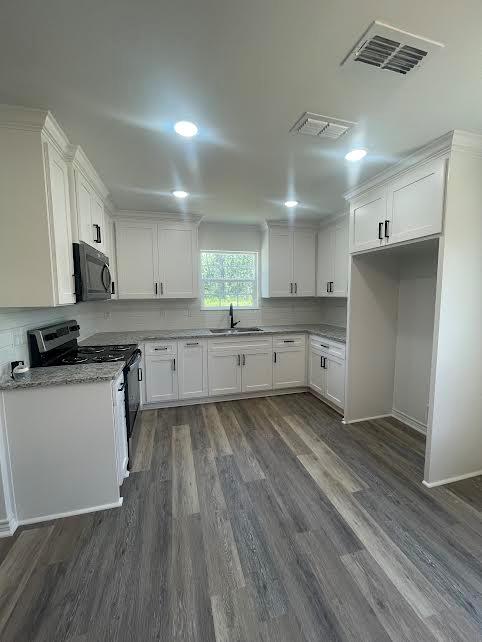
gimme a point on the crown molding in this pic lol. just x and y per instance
(34, 120)
(439, 147)
(464, 141)
(333, 218)
(305, 223)
(78, 158)
(157, 216)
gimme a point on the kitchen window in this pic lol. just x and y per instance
(229, 277)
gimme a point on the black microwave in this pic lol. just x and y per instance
(91, 272)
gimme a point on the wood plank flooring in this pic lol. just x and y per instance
(262, 520)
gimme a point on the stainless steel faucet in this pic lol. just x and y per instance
(231, 314)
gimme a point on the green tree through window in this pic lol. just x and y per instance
(229, 277)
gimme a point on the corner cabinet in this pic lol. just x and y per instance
(156, 260)
(332, 265)
(35, 223)
(407, 207)
(288, 266)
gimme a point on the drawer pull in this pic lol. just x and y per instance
(157, 349)
(324, 346)
(288, 340)
(193, 344)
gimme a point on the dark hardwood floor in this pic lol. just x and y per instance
(257, 520)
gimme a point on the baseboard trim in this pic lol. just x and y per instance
(409, 421)
(244, 395)
(450, 480)
(7, 527)
(70, 513)
(355, 421)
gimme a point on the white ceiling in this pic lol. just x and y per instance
(118, 73)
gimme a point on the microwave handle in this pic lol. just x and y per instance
(106, 283)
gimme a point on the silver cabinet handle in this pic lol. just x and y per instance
(244, 359)
(139, 374)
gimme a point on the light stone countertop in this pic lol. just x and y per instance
(64, 375)
(335, 333)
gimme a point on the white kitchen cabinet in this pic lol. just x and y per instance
(335, 380)
(288, 263)
(257, 366)
(88, 194)
(289, 361)
(137, 273)
(36, 260)
(332, 273)
(156, 260)
(161, 378)
(193, 369)
(224, 372)
(316, 371)
(415, 202)
(367, 217)
(120, 428)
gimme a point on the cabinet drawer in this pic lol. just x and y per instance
(333, 348)
(160, 347)
(239, 344)
(289, 341)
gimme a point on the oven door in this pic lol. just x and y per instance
(92, 275)
(132, 377)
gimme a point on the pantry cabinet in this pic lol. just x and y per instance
(332, 267)
(156, 260)
(288, 266)
(36, 260)
(407, 207)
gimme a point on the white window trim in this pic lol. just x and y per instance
(235, 307)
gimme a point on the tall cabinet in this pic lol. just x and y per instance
(288, 261)
(156, 259)
(36, 261)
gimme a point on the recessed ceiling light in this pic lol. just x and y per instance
(180, 193)
(186, 128)
(356, 154)
(291, 203)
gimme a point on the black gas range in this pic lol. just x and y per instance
(56, 345)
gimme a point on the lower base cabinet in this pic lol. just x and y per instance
(193, 369)
(289, 361)
(327, 370)
(161, 372)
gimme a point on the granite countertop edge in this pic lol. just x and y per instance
(64, 375)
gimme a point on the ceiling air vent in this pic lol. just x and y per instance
(321, 126)
(391, 49)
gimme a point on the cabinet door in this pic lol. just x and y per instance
(257, 369)
(61, 241)
(224, 373)
(366, 215)
(98, 233)
(161, 379)
(84, 209)
(280, 261)
(176, 263)
(304, 262)
(416, 202)
(325, 262)
(316, 371)
(289, 368)
(335, 381)
(193, 369)
(339, 244)
(137, 273)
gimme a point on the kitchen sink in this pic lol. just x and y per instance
(233, 330)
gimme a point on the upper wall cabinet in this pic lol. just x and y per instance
(156, 260)
(87, 196)
(332, 269)
(36, 260)
(288, 265)
(406, 207)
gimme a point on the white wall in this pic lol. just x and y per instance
(416, 309)
(454, 446)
